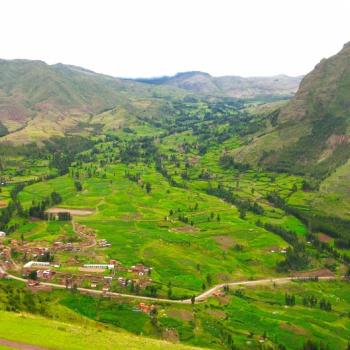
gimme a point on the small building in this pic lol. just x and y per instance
(146, 308)
(39, 264)
(45, 274)
(103, 243)
(108, 279)
(140, 269)
(2, 234)
(114, 262)
(99, 266)
(122, 281)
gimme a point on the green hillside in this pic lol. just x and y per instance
(310, 135)
(169, 210)
(39, 101)
(35, 330)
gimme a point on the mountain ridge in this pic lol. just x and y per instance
(229, 86)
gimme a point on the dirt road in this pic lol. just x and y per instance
(202, 297)
(21, 346)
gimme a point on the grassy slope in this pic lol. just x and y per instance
(40, 331)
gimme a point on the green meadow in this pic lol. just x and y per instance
(139, 227)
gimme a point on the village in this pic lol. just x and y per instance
(59, 263)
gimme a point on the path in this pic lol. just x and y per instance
(202, 297)
(21, 346)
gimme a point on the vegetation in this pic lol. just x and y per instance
(191, 190)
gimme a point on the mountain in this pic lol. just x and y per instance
(310, 134)
(38, 100)
(230, 86)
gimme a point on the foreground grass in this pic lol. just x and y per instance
(39, 331)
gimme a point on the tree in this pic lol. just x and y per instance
(193, 299)
(148, 187)
(209, 279)
(33, 275)
(78, 185)
(242, 213)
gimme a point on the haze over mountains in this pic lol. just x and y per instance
(230, 86)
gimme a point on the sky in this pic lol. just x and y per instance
(148, 38)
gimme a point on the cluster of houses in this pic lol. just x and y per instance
(39, 268)
(61, 246)
(90, 274)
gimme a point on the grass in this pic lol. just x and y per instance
(40, 331)
(254, 313)
(134, 223)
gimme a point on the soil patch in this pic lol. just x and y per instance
(21, 346)
(216, 313)
(131, 217)
(185, 229)
(194, 160)
(170, 335)
(86, 269)
(73, 212)
(315, 273)
(323, 237)
(294, 329)
(183, 315)
(3, 204)
(225, 242)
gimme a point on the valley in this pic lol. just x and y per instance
(160, 211)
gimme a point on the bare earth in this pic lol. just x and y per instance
(21, 346)
(77, 212)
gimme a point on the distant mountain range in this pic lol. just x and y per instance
(38, 101)
(230, 86)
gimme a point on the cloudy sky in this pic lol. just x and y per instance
(144, 38)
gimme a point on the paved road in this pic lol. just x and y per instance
(202, 297)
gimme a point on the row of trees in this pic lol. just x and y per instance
(243, 205)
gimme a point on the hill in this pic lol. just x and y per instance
(230, 86)
(310, 134)
(38, 101)
(24, 328)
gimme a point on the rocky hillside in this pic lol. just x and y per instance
(310, 134)
(230, 86)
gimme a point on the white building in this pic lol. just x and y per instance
(36, 263)
(2, 234)
(99, 266)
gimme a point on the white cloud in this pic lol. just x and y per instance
(155, 37)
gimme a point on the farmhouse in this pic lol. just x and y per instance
(140, 269)
(103, 243)
(146, 308)
(39, 264)
(45, 274)
(99, 266)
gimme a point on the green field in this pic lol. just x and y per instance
(36, 330)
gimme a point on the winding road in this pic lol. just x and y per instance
(201, 297)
